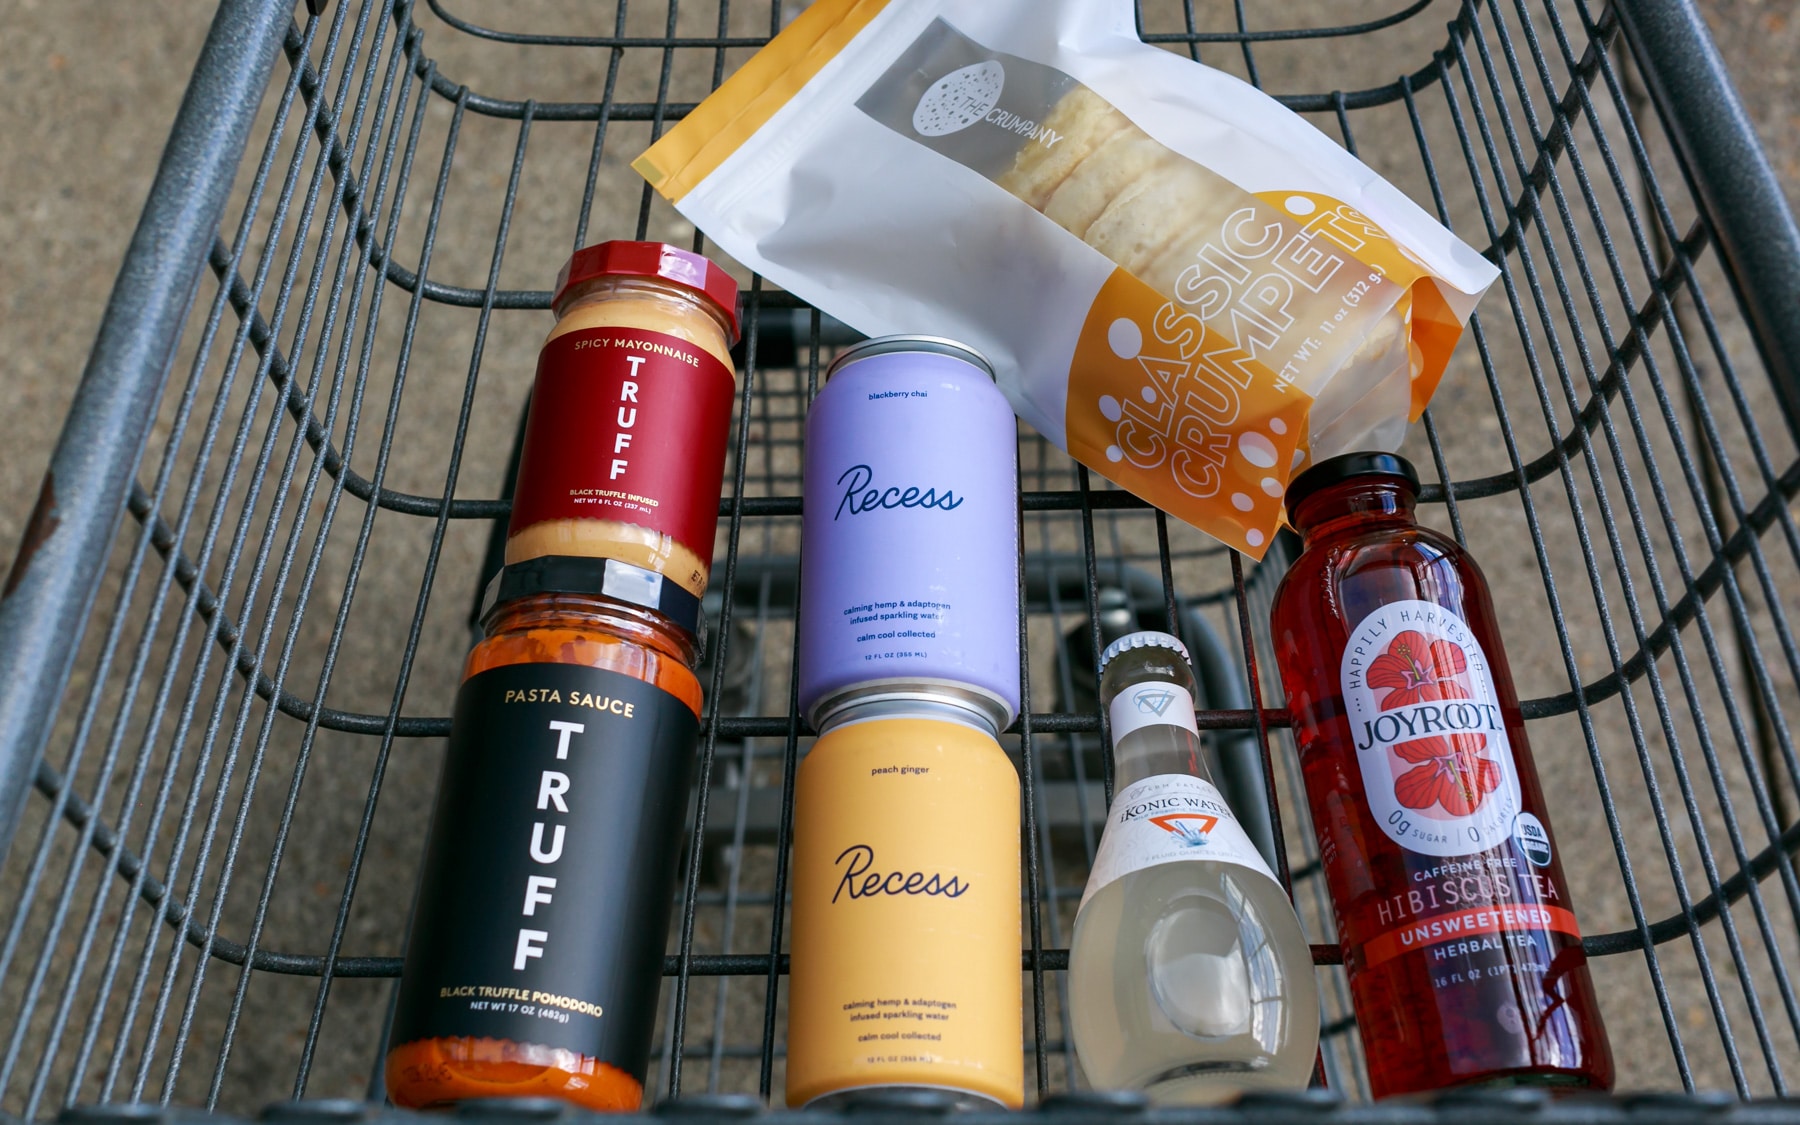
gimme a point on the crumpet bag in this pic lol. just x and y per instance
(1185, 285)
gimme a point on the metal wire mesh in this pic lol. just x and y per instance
(211, 893)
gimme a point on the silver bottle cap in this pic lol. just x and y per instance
(1148, 638)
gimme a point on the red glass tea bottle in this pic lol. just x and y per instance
(1465, 961)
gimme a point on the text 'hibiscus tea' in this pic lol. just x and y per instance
(1461, 943)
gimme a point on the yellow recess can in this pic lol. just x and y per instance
(905, 968)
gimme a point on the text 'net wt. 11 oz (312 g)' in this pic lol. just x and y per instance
(1179, 281)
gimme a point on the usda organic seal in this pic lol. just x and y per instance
(1533, 839)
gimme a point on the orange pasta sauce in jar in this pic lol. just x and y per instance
(625, 444)
(534, 961)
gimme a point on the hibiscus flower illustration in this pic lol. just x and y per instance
(1416, 668)
(1448, 770)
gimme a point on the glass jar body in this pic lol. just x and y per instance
(625, 444)
(628, 302)
(570, 630)
(1460, 941)
(592, 633)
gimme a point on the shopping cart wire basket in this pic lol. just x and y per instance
(235, 621)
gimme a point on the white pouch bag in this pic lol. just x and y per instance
(1180, 282)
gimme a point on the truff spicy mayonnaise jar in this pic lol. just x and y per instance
(624, 451)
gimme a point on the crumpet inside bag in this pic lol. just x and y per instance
(1180, 282)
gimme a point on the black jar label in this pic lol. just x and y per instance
(544, 904)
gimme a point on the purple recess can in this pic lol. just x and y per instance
(910, 539)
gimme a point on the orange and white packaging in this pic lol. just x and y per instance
(1178, 280)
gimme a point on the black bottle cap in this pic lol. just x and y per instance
(1347, 466)
(606, 578)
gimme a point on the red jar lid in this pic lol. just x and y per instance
(653, 259)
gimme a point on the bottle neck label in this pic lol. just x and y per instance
(1169, 818)
(1151, 703)
(1425, 719)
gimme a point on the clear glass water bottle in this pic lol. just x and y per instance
(1189, 976)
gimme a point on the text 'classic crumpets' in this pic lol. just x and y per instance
(1152, 416)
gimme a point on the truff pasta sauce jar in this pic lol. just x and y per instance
(534, 960)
